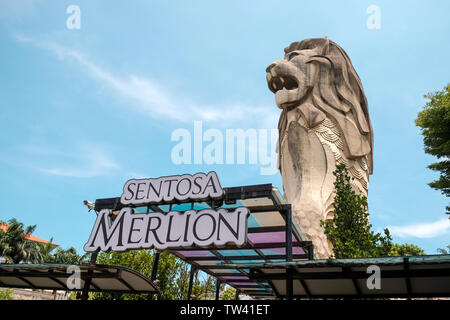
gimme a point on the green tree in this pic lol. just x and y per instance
(6, 294)
(443, 251)
(434, 120)
(202, 288)
(406, 249)
(229, 294)
(350, 231)
(15, 248)
(65, 256)
(206, 290)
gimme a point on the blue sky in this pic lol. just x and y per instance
(84, 110)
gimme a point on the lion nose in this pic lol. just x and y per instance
(270, 67)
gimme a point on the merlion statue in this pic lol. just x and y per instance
(324, 121)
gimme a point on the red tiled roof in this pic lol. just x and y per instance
(28, 236)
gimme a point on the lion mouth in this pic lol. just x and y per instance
(277, 83)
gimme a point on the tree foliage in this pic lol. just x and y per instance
(434, 121)
(7, 294)
(406, 249)
(14, 246)
(350, 231)
(444, 251)
(59, 255)
(229, 294)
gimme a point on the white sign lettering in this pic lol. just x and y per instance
(199, 186)
(172, 230)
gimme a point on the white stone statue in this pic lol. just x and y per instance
(324, 121)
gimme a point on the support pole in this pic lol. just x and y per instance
(407, 279)
(289, 284)
(218, 282)
(191, 280)
(87, 281)
(288, 216)
(155, 267)
(289, 280)
(311, 252)
(236, 297)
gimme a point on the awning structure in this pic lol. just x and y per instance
(271, 234)
(407, 277)
(102, 278)
(268, 224)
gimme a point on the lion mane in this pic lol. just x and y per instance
(339, 94)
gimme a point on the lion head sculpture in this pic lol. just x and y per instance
(324, 121)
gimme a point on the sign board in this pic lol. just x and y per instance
(131, 230)
(172, 230)
(183, 188)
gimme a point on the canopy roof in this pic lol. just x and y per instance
(268, 222)
(421, 276)
(55, 276)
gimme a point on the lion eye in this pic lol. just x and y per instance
(292, 55)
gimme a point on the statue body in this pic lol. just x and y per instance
(324, 121)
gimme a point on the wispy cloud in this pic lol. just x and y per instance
(150, 98)
(85, 160)
(422, 230)
(13, 9)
